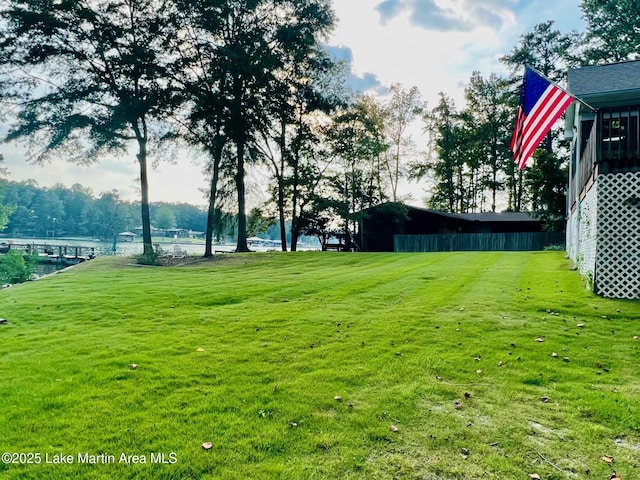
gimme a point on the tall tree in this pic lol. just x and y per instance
(254, 43)
(204, 83)
(74, 200)
(613, 33)
(490, 111)
(300, 100)
(50, 212)
(401, 110)
(546, 49)
(97, 77)
(107, 215)
(356, 141)
(164, 218)
(446, 137)
(551, 52)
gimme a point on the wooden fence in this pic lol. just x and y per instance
(529, 241)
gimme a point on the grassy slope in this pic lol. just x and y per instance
(400, 338)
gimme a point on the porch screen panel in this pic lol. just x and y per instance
(619, 138)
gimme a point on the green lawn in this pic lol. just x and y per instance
(302, 365)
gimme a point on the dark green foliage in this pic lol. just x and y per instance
(15, 268)
(259, 222)
(164, 218)
(75, 211)
(150, 258)
(255, 65)
(356, 141)
(379, 226)
(546, 183)
(448, 138)
(545, 49)
(552, 53)
(612, 30)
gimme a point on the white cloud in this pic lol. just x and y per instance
(437, 44)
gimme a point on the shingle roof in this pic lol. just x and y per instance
(605, 80)
(486, 216)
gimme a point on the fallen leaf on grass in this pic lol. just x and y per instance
(337, 398)
(457, 404)
(393, 428)
(534, 476)
(133, 366)
(544, 399)
(607, 459)
(554, 354)
(539, 339)
(200, 349)
(207, 445)
(615, 476)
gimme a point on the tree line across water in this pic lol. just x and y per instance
(59, 211)
(252, 82)
(76, 212)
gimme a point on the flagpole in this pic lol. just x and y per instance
(593, 109)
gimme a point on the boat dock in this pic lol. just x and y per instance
(58, 254)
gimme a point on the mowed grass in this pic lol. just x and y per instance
(302, 366)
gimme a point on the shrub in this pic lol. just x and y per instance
(153, 258)
(14, 268)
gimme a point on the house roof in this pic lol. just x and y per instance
(484, 217)
(606, 84)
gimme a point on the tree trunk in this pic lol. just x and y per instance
(241, 245)
(519, 192)
(295, 224)
(213, 193)
(280, 180)
(144, 186)
(283, 228)
(294, 234)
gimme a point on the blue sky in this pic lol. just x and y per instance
(432, 44)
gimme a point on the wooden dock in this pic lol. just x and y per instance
(46, 253)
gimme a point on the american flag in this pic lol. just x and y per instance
(541, 104)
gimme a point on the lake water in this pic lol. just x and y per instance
(105, 248)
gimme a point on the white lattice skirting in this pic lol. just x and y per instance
(618, 236)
